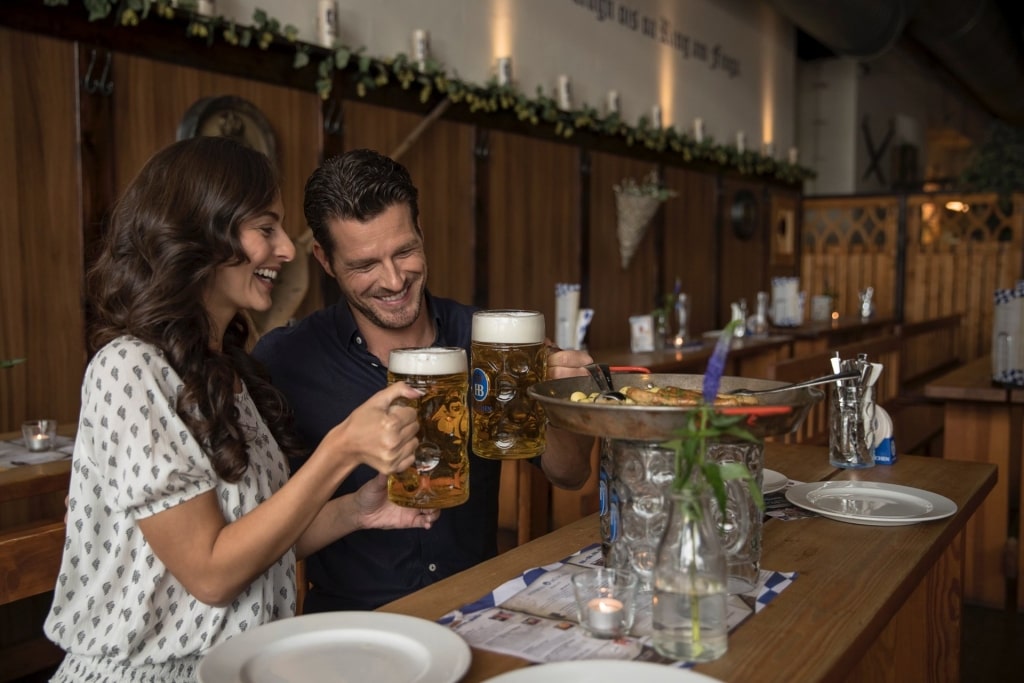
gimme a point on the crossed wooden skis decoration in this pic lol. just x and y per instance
(875, 154)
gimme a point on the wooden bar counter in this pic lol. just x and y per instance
(984, 422)
(816, 336)
(869, 604)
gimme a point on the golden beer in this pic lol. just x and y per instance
(439, 478)
(509, 356)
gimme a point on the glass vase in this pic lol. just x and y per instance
(690, 582)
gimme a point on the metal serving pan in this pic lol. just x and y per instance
(777, 414)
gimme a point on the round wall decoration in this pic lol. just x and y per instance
(743, 213)
(231, 117)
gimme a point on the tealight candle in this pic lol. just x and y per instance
(604, 615)
(741, 141)
(698, 130)
(39, 435)
(794, 155)
(656, 116)
(206, 7)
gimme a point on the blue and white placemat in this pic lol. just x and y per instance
(532, 616)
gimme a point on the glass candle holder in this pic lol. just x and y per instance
(605, 601)
(39, 435)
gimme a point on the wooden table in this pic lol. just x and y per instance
(984, 422)
(870, 603)
(31, 541)
(748, 356)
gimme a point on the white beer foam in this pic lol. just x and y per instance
(428, 361)
(508, 327)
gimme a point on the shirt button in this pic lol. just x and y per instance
(359, 340)
(432, 567)
(375, 365)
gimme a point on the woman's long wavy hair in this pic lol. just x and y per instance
(174, 226)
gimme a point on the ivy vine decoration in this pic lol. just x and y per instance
(4, 363)
(367, 73)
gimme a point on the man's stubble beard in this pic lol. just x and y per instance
(371, 315)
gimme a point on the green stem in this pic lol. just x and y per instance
(694, 596)
(697, 647)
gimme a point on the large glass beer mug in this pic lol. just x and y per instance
(509, 356)
(439, 477)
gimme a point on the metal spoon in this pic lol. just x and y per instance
(827, 379)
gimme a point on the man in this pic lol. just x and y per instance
(363, 210)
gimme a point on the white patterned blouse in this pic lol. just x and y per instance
(117, 611)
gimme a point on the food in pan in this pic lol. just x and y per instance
(663, 396)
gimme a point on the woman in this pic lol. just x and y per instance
(183, 527)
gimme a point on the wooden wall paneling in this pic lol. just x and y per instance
(533, 218)
(150, 99)
(40, 275)
(40, 231)
(616, 293)
(690, 244)
(783, 237)
(532, 223)
(743, 262)
(97, 143)
(441, 163)
(848, 243)
(956, 260)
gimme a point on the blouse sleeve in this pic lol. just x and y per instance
(138, 439)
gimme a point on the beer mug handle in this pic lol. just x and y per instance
(734, 524)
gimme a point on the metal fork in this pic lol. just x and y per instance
(602, 377)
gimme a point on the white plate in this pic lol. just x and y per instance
(772, 481)
(340, 646)
(872, 503)
(602, 671)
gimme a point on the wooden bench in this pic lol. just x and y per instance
(930, 349)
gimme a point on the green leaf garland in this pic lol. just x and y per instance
(370, 73)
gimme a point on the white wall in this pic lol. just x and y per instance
(593, 42)
(898, 89)
(828, 113)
